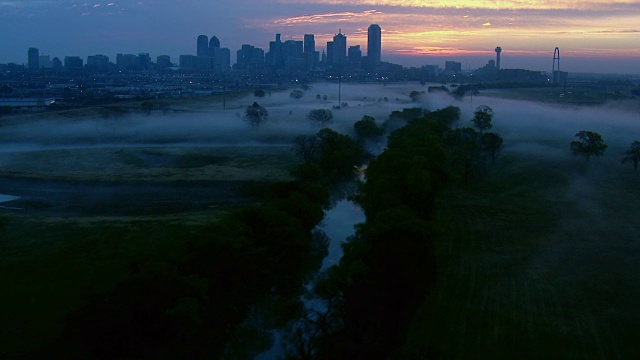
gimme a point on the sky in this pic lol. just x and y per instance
(593, 35)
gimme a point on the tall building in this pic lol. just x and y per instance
(309, 43)
(293, 55)
(163, 61)
(498, 51)
(127, 62)
(274, 56)
(144, 61)
(214, 43)
(221, 59)
(33, 58)
(45, 61)
(329, 55)
(374, 46)
(339, 49)
(355, 56)
(453, 67)
(98, 62)
(310, 53)
(73, 62)
(187, 61)
(56, 64)
(203, 45)
(249, 58)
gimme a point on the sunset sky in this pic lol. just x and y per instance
(593, 35)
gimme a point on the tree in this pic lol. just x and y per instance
(482, 118)
(259, 93)
(307, 146)
(297, 94)
(589, 143)
(339, 155)
(147, 107)
(465, 151)
(255, 114)
(632, 154)
(367, 127)
(321, 117)
(491, 143)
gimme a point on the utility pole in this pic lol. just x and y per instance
(340, 90)
(224, 91)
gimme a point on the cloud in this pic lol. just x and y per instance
(482, 4)
(326, 18)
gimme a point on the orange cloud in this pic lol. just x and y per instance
(481, 4)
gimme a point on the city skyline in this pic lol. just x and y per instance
(594, 36)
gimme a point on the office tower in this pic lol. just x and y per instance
(309, 43)
(98, 62)
(329, 55)
(203, 45)
(221, 61)
(339, 49)
(73, 62)
(374, 46)
(249, 58)
(274, 56)
(45, 61)
(163, 61)
(453, 66)
(187, 61)
(310, 53)
(144, 61)
(127, 62)
(293, 54)
(56, 64)
(214, 42)
(355, 56)
(33, 58)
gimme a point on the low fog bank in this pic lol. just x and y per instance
(287, 118)
(545, 129)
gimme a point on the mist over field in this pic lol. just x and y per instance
(214, 126)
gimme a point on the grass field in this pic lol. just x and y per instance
(537, 261)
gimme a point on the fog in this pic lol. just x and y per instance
(287, 118)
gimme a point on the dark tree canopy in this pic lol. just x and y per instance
(367, 127)
(307, 146)
(297, 94)
(415, 95)
(465, 152)
(589, 144)
(632, 154)
(491, 143)
(259, 93)
(255, 114)
(339, 155)
(321, 117)
(482, 118)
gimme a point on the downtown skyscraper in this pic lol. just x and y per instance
(374, 46)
